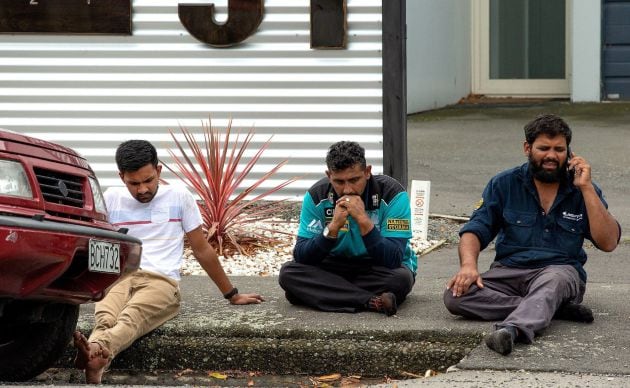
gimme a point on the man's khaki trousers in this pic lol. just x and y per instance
(136, 305)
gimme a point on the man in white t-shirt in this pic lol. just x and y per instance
(160, 216)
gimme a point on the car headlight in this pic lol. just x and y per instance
(97, 195)
(13, 179)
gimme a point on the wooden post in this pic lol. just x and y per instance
(395, 90)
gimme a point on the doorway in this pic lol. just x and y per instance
(520, 48)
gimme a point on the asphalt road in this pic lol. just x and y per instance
(459, 149)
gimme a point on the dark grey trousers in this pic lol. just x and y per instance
(524, 298)
(340, 286)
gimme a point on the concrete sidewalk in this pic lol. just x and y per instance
(278, 338)
(458, 150)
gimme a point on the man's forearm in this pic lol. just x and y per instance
(469, 248)
(604, 228)
(211, 264)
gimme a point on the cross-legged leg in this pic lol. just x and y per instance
(501, 294)
(321, 289)
(378, 280)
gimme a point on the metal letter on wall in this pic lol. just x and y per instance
(66, 16)
(328, 24)
(244, 17)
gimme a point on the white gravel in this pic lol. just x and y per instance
(267, 261)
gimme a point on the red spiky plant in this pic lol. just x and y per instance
(211, 169)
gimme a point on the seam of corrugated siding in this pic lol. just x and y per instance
(92, 92)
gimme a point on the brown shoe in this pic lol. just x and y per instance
(384, 303)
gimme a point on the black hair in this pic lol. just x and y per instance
(548, 124)
(132, 155)
(345, 154)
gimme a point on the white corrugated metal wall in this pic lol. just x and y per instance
(91, 92)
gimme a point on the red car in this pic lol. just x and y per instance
(57, 250)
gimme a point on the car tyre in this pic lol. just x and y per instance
(31, 343)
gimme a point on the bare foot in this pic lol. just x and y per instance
(96, 367)
(91, 357)
(83, 350)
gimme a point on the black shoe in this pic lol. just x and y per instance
(575, 312)
(384, 303)
(502, 340)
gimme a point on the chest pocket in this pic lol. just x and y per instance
(572, 233)
(518, 227)
(159, 215)
(573, 227)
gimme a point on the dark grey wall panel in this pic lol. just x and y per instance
(617, 54)
(617, 69)
(617, 34)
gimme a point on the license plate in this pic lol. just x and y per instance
(104, 256)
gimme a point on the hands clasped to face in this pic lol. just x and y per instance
(349, 184)
(348, 205)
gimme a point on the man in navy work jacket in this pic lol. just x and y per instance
(352, 251)
(540, 213)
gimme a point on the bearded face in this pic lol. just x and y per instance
(547, 158)
(547, 175)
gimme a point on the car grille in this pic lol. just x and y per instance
(60, 188)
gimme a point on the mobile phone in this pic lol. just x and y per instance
(570, 171)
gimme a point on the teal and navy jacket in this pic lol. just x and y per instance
(387, 244)
(527, 236)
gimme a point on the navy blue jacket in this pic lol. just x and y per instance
(527, 237)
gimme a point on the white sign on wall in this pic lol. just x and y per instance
(420, 195)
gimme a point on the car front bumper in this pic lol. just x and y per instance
(48, 260)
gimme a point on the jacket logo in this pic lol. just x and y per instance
(375, 200)
(572, 217)
(398, 224)
(315, 226)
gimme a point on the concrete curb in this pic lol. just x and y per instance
(278, 338)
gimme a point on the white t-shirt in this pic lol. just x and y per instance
(160, 224)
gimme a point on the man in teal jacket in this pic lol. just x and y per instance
(352, 251)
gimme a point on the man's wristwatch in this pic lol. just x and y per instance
(327, 234)
(231, 293)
